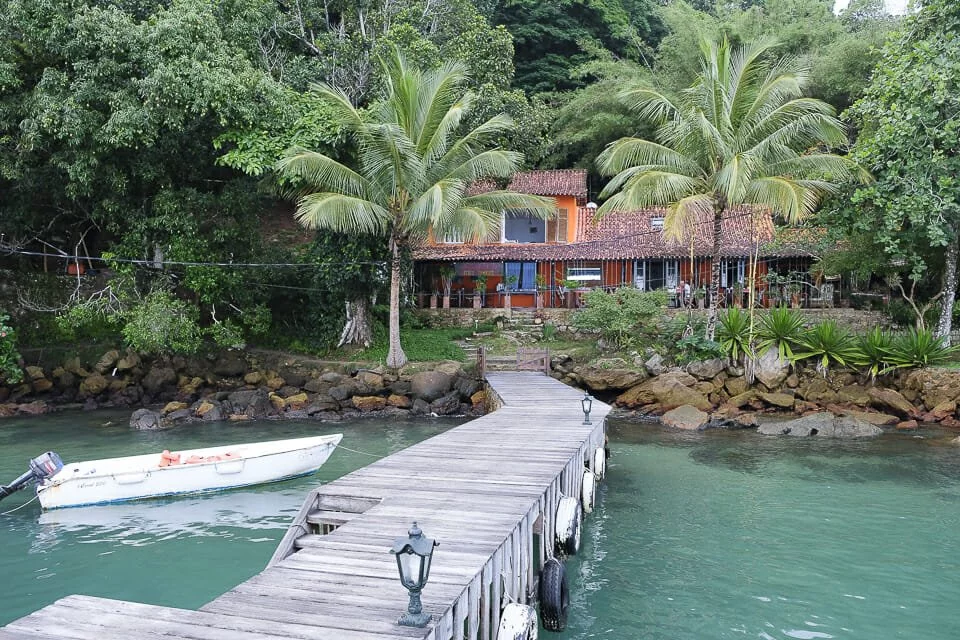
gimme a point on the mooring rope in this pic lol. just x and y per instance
(364, 453)
(6, 513)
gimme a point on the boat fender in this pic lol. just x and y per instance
(194, 460)
(167, 458)
(518, 622)
(569, 522)
(588, 492)
(554, 595)
(599, 466)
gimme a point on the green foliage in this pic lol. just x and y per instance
(619, 315)
(162, 324)
(696, 347)
(781, 328)
(733, 334)
(550, 332)
(919, 348)
(827, 344)
(226, 334)
(10, 371)
(874, 352)
(421, 345)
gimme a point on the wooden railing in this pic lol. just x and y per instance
(531, 359)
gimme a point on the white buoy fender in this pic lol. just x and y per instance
(518, 622)
(554, 596)
(599, 466)
(588, 491)
(569, 520)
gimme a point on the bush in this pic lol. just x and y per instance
(918, 348)
(873, 352)
(780, 328)
(619, 315)
(10, 371)
(162, 324)
(696, 347)
(828, 344)
(734, 333)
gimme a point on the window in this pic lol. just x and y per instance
(640, 275)
(525, 274)
(731, 271)
(583, 273)
(557, 227)
(521, 226)
(656, 223)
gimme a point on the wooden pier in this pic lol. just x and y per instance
(487, 491)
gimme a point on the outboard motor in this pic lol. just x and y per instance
(42, 467)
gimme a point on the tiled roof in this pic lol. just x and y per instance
(552, 182)
(626, 235)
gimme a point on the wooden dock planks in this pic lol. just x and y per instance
(486, 490)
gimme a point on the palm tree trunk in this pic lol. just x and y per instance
(396, 358)
(718, 209)
(949, 290)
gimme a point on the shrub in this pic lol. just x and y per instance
(549, 331)
(780, 328)
(918, 348)
(10, 370)
(619, 315)
(873, 352)
(734, 333)
(162, 324)
(828, 344)
(696, 347)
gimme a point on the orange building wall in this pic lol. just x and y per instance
(570, 204)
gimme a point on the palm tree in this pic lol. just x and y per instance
(412, 170)
(742, 135)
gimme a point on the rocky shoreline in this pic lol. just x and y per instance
(715, 393)
(242, 386)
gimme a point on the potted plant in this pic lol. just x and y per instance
(700, 295)
(792, 290)
(511, 285)
(569, 286)
(447, 275)
(541, 287)
(481, 298)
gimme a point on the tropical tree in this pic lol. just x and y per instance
(743, 136)
(411, 170)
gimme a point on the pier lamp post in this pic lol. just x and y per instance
(587, 404)
(413, 560)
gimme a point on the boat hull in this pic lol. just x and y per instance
(141, 477)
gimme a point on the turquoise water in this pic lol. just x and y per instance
(733, 535)
(179, 552)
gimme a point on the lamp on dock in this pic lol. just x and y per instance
(413, 560)
(587, 404)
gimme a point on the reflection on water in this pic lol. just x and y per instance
(181, 551)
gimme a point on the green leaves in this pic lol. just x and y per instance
(827, 344)
(782, 329)
(10, 371)
(618, 316)
(733, 334)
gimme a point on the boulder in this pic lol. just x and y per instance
(34, 373)
(793, 381)
(907, 425)
(146, 420)
(685, 417)
(369, 403)
(371, 380)
(401, 402)
(822, 424)
(873, 417)
(479, 400)
(107, 361)
(945, 409)
(209, 410)
(706, 369)
(230, 364)
(667, 391)
(655, 365)
(447, 405)
(782, 400)
(129, 360)
(341, 392)
(73, 366)
(157, 378)
(742, 399)
(170, 407)
(253, 378)
(452, 369)
(35, 408)
(294, 378)
(736, 385)
(178, 416)
(316, 385)
(430, 385)
(600, 379)
(93, 385)
(322, 404)
(420, 407)
(771, 370)
(331, 377)
(279, 404)
(252, 402)
(297, 401)
(853, 394)
(41, 385)
(288, 390)
(275, 382)
(189, 386)
(466, 387)
(892, 399)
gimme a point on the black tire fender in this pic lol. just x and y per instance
(554, 595)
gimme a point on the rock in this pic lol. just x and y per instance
(745, 421)
(893, 400)
(146, 420)
(430, 385)
(288, 390)
(128, 361)
(157, 378)
(822, 424)
(783, 400)
(189, 386)
(322, 404)
(254, 403)
(873, 417)
(297, 401)
(7, 410)
(178, 416)
(742, 399)
(853, 394)
(479, 399)
(93, 385)
(208, 410)
(667, 391)
(600, 379)
(239, 417)
(771, 370)
(447, 405)
(73, 366)
(342, 391)
(41, 385)
(275, 382)
(170, 407)
(369, 403)
(107, 361)
(278, 403)
(685, 417)
(253, 378)
(371, 380)
(230, 364)
(655, 365)
(316, 385)
(466, 387)
(35, 408)
(293, 378)
(793, 381)
(706, 369)
(401, 402)
(452, 369)
(34, 373)
(735, 386)
(907, 425)
(420, 407)
(331, 377)
(706, 388)
(945, 409)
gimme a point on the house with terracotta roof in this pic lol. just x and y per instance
(539, 262)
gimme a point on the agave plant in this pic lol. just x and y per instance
(733, 334)
(918, 348)
(873, 352)
(781, 328)
(828, 344)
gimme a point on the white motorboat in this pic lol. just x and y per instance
(165, 474)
